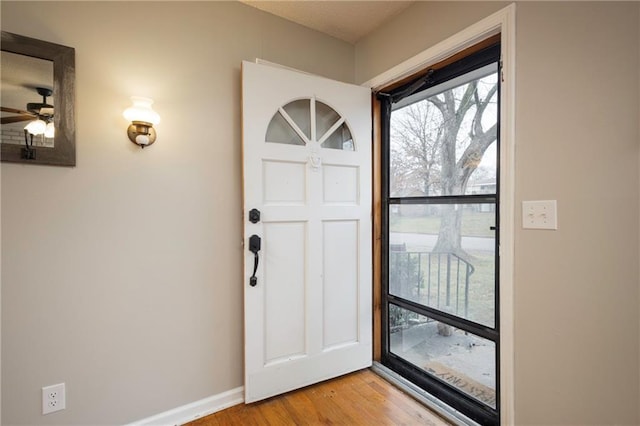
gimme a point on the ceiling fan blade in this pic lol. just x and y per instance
(15, 119)
(15, 111)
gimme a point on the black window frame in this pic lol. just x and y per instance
(456, 399)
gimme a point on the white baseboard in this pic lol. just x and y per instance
(195, 410)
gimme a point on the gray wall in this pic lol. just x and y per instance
(123, 276)
(577, 302)
(577, 137)
(417, 28)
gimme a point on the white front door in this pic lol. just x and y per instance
(307, 170)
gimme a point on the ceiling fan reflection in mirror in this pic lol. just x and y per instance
(40, 120)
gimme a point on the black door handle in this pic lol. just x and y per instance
(254, 247)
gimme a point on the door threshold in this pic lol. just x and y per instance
(443, 410)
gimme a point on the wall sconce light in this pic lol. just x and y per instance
(142, 118)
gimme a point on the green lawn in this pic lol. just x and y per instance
(482, 290)
(474, 224)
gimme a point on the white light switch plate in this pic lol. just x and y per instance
(539, 214)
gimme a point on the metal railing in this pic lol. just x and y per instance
(438, 280)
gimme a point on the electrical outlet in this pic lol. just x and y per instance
(53, 398)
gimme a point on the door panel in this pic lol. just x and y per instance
(284, 182)
(284, 273)
(340, 272)
(341, 184)
(307, 168)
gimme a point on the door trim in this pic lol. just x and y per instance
(502, 22)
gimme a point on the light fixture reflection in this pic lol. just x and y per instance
(36, 127)
(50, 130)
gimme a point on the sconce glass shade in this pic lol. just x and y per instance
(141, 111)
(50, 130)
(36, 127)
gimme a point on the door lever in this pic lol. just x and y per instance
(254, 247)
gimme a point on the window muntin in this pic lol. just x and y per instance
(280, 131)
(306, 121)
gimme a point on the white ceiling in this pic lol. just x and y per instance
(346, 20)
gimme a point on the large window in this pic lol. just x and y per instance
(440, 237)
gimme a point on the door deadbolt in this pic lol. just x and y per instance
(254, 216)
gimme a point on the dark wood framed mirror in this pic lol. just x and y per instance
(38, 84)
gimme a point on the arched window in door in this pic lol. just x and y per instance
(310, 121)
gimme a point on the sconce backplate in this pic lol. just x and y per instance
(136, 129)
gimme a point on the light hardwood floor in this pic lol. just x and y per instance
(360, 398)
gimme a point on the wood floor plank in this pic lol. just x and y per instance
(274, 411)
(360, 398)
(402, 409)
(371, 411)
(328, 397)
(301, 409)
(374, 388)
(382, 401)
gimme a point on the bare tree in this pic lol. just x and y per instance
(416, 149)
(438, 143)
